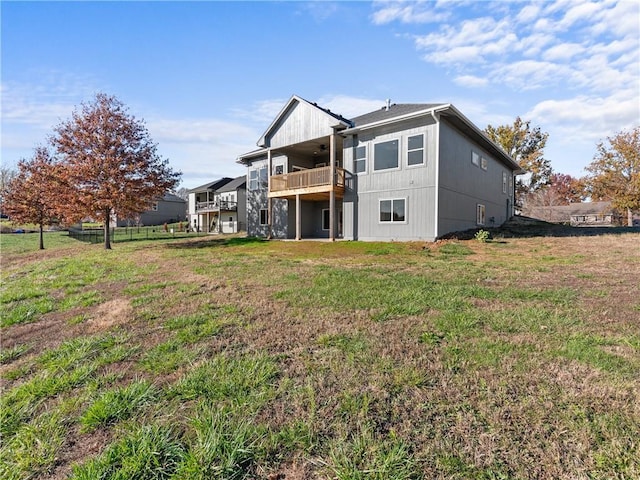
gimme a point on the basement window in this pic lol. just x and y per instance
(264, 216)
(392, 210)
(480, 212)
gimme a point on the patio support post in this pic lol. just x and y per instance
(298, 218)
(269, 206)
(332, 192)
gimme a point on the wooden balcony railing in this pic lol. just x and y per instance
(305, 179)
(217, 205)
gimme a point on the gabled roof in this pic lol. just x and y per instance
(211, 185)
(170, 197)
(341, 121)
(233, 185)
(394, 110)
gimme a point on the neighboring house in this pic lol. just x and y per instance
(168, 209)
(404, 172)
(577, 214)
(220, 206)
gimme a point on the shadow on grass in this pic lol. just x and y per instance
(208, 242)
(525, 227)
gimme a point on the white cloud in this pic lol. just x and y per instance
(563, 52)
(408, 12)
(471, 81)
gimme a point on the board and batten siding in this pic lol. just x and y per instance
(463, 185)
(416, 184)
(300, 123)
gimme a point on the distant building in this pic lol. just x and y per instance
(168, 209)
(219, 206)
(592, 214)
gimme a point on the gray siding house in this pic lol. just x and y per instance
(168, 209)
(219, 206)
(404, 172)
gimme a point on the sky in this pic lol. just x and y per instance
(208, 78)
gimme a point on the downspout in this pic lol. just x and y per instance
(437, 175)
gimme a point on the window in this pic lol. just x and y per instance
(264, 178)
(154, 207)
(360, 162)
(510, 184)
(483, 163)
(253, 180)
(385, 155)
(415, 150)
(392, 211)
(325, 219)
(480, 214)
(475, 159)
(264, 216)
(279, 170)
(504, 182)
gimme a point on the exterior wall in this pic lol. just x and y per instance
(257, 199)
(300, 123)
(414, 183)
(167, 212)
(463, 185)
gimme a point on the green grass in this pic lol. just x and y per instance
(237, 358)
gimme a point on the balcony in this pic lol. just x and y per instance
(217, 206)
(315, 182)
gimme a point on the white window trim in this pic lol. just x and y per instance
(484, 163)
(392, 222)
(504, 182)
(266, 216)
(256, 179)
(481, 214)
(424, 148)
(364, 159)
(373, 156)
(154, 207)
(322, 219)
(475, 158)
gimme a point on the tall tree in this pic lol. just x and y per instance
(614, 173)
(526, 146)
(7, 174)
(566, 189)
(30, 196)
(112, 165)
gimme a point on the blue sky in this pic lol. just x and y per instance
(209, 77)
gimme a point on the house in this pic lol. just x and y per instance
(403, 172)
(219, 206)
(592, 214)
(168, 209)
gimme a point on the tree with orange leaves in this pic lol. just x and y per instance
(31, 195)
(614, 173)
(111, 164)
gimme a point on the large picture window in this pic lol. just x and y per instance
(415, 150)
(385, 155)
(360, 161)
(392, 211)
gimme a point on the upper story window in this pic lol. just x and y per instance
(415, 150)
(483, 163)
(360, 160)
(504, 182)
(258, 178)
(475, 159)
(385, 155)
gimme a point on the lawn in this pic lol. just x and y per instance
(235, 358)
